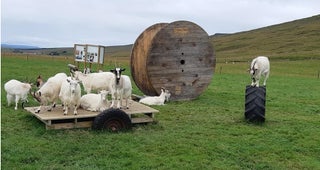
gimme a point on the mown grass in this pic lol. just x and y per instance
(207, 133)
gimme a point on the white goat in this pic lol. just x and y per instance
(157, 100)
(49, 91)
(95, 102)
(40, 82)
(260, 66)
(17, 90)
(94, 81)
(70, 95)
(120, 88)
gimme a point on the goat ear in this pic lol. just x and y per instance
(112, 71)
(123, 69)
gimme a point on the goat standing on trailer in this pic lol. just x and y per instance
(259, 66)
(120, 87)
(70, 95)
(58, 76)
(94, 81)
(49, 91)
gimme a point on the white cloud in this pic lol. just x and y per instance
(65, 22)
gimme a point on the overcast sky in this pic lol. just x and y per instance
(62, 23)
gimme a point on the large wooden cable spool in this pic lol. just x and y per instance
(177, 56)
(139, 54)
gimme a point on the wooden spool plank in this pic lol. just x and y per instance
(139, 54)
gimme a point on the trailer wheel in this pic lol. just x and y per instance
(113, 120)
(255, 104)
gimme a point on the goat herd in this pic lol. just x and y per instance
(68, 90)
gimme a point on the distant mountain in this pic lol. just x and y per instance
(16, 46)
(219, 34)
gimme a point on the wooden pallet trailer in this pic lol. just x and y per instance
(110, 119)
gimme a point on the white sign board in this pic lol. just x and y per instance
(89, 53)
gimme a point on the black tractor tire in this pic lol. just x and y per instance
(114, 120)
(255, 101)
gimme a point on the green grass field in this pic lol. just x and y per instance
(207, 133)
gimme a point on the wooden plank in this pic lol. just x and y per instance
(57, 113)
(86, 124)
(141, 120)
(136, 108)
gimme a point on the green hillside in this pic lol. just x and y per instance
(299, 39)
(119, 51)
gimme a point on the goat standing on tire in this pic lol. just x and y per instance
(259, 66)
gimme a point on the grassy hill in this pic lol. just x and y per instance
(298, 39)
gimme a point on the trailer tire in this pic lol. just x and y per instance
(255, 104)
(112, 120)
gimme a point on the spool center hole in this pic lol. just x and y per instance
(182, 62)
